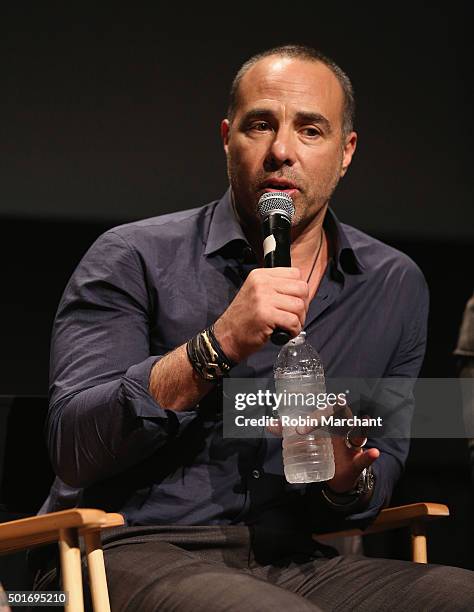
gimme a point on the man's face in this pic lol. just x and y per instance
(287, 136)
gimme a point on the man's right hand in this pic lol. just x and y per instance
(269, 298)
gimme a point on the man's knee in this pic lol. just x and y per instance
(150, 577)
(218, 589)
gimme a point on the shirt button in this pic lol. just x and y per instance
(256, 474)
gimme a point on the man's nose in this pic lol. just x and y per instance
(282, 150)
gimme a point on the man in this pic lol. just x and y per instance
(465, 354)
(135, 423)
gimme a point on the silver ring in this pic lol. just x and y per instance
(348, 442)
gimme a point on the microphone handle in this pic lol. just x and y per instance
(278, 226)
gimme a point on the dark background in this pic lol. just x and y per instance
(115, 116)
(110, 115)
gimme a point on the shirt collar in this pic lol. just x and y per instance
(344, 251)
(225, 228)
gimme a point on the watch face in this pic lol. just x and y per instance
(371, 480)
(366, 481)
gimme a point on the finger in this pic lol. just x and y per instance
(283, 272)
(297, 288)
(343, 409)
(312, 423)
(276, 430)
(291, 304)
(316, 418)
(358, 440)
(363, 459)
(302, 430)
(288, 321)
(358, 435)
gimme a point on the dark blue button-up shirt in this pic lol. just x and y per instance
(147, 287)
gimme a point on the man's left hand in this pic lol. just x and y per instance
(349, 463)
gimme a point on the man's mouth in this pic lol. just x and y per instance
(279, 185)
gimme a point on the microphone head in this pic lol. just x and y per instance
(276, 201)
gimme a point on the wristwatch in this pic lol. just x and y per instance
(358, 496)
(365, 482)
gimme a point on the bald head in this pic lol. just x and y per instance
(287, 126)
(302, 53)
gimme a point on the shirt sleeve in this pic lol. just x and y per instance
(102, 418)
(405, 364)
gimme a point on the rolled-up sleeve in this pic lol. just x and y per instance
(102, 418)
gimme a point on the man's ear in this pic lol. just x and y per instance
(225, 133)
(349, 149)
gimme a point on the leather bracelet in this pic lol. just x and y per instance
(207, 357)
(218, 348)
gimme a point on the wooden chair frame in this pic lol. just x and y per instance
(414, 516)
(68, 526)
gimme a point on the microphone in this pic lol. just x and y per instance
(276, 211)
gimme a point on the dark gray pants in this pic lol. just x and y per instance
(212, 569)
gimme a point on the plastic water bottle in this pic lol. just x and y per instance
(299, 369)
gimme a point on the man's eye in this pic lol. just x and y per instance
(260, 126)
(312, 132)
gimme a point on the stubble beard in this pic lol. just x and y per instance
(307, 207)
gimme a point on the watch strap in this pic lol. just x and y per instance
(355, 499)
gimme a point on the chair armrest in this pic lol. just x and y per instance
(111, 519)
(393, 518)
(45, 528)
(401, 516)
